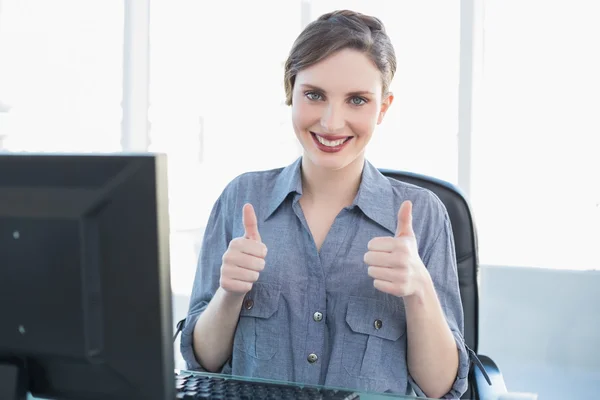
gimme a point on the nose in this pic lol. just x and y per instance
(332, 119)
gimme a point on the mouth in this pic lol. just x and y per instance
(330, 144)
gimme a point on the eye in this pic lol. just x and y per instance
(358, 101)
(314, 96)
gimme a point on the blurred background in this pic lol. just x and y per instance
(501, 97)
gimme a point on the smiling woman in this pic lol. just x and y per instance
(328, 239)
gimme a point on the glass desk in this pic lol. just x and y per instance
(284, 390)
(293, 390)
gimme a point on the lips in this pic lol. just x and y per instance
(324, 142)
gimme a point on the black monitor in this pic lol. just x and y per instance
(85, 294)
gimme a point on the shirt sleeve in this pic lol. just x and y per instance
(216, 239)
(440, 260)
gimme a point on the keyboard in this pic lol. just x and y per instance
(191, 386)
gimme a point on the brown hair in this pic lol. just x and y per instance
(336, 31)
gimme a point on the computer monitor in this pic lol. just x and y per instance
(85, 295)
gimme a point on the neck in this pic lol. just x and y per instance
(339, 187)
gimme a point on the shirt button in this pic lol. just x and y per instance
(318, 317)
(378, 324)
(248, 304)
(312, 358)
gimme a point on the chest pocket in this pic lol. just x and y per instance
(259, 325)
(375, 342)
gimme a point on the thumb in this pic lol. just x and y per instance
(250, 223)
(405, 220)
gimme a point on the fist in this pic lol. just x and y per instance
(394, 262)
(245, 257)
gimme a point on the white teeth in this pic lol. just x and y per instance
(330, 143)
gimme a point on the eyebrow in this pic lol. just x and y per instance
(318, 89)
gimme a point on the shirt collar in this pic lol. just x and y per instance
(288, 181)
(375, 197)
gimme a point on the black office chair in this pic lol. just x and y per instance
(465, 241)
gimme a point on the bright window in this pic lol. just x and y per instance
(536, 170)
(61, 75)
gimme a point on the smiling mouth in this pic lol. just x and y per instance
(336, 142)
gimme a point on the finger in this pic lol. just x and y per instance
(386, 244)
(238, 273)
(244, 261)
(405, 220)
(235, 286)
(388, 287)
(397, 276)
(380, 259)
(249, 246)
(250, 223)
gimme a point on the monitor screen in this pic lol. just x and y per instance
(85, 295)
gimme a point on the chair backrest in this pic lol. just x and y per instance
(465, 242)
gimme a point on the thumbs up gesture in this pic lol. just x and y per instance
(394, 262)
(245, 257)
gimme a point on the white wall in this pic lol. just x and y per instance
(541, 326)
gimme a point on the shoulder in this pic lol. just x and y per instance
(425, 202)
(253, 183)
(430, 216)
(254, 187)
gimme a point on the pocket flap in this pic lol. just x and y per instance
(262, 301)
(373, 317)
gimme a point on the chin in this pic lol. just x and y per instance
(332, 162)
(332, 165)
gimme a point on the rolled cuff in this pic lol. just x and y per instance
(187, 345)
(461, 382)
(187, 342)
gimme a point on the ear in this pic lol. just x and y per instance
(385, 104)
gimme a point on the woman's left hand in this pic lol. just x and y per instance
(394, 262)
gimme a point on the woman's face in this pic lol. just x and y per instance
(336, 105)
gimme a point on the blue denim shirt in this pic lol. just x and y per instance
(323, 304)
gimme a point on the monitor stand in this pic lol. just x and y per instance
(13, 385)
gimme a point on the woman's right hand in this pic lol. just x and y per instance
(245, 257)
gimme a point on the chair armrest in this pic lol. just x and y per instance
(483, 389)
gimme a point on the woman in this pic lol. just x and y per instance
(326, 272)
